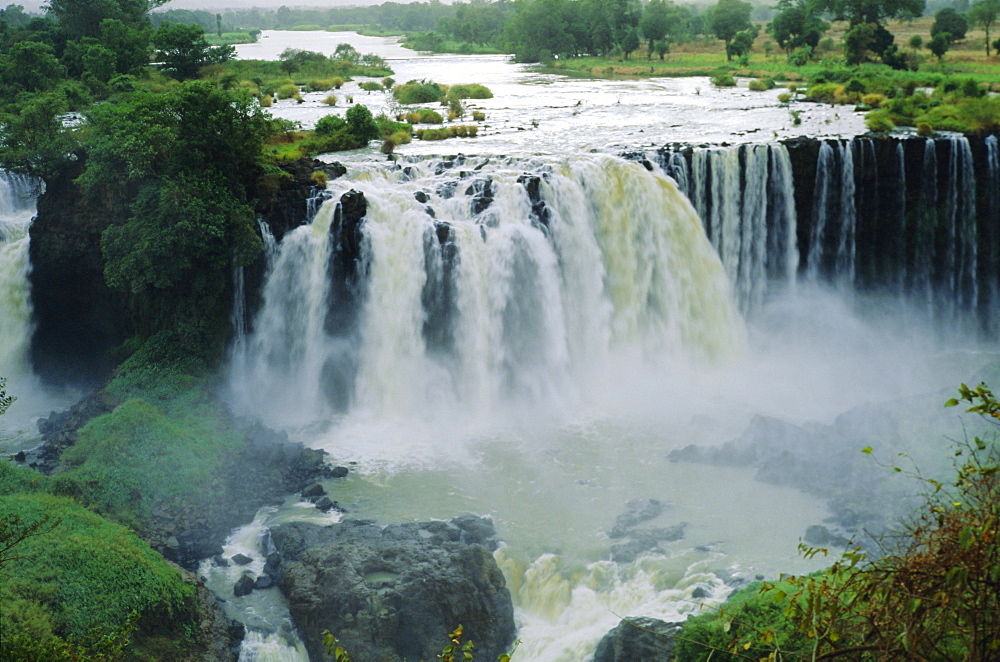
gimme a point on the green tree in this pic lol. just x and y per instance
(655, 23)
(29, 66)
(940, 44)
(985, 13)
(82, 18)
(630, 42)
(178, 171)
(858, 12)
(796, 24)
(360, 123)
(950, 21)
(728, 18)
(34, 141)
(183, 50)
(129, 43)
(742, 42)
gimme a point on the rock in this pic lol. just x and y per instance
(325, 504)
(220, 561)
(822, 537)
(636, 512)
(421, 197)
(264, 581)
(314, 490)
(272, 566)
(338, 472)
(241, 559)
(20, 456)
(392, 593)
(244, 585)
(639, 639)
(481, 191)
(334, 170)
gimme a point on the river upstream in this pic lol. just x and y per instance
(569, 355)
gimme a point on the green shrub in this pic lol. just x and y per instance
(824, 92)
(86, 576)
(422, 91)
(761, 84)
(321, 84)
(723, 80)
(289, 91)
(370, 86)
(330, 100)
(330, 124)
(875, 100)
(784, 97)
(478, 116)
(474, 91)
(879, 121)
(423, 116)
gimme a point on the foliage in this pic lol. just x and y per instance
(723, 80)
(876, 12)
(330, 124)
(183, 50)
(473, 91)
(730, 18)
(422, 91)
(82, 584)
(460, 131)
(934, 595)
(177, 170)
(985, 13)
(940, 44)
(422, 116)
(361, 124)
(796, 25)
(370, 86)
(879, 121)
(950, 21)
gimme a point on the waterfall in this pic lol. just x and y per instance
(825, 174)
(478, 283)
(745, 197)
(990, 297)
(17, 207)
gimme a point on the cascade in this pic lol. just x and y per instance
(990, 239)
(17, 207)
(471, 283)
(745, 197)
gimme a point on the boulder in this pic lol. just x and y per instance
(314, 490)
(241, 559)
(638, 639)
(244, 585)
(394, 593)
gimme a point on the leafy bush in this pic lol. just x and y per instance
(330, 124)
(474, 91)
(422, 91)
(824, 92)
(289, 91)
(478, 116)
(330, 100)
(82, 579)
(723, 80)
(370, 86)
(761, 84)
(879, 121)
(423, 116)
(874, 100)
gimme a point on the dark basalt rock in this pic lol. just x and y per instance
(244, 585)
(241, 559)
(314, 490)
(638, 639)
(338, 472)
(59, 430)
(541, 215)
(391, 593)
(481, 191)
(264, 581)
(636, 512)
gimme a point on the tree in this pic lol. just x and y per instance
(183, 50)
(864, 39)
(29, 66)
(858, 12)
(729, 18)
(129, 43)
(630, 42)
(796, 25)
(940, 44)
(742, 43)
(916, 42)
(985, 13)
(654, 23)
(177, 170)
(82, 18)
(950, 21)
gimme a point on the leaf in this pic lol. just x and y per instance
(867, 450)
(951, 402)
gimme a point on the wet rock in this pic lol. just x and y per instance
(421, 197)
(481, 191)
(264, 581)
(244, 585)
(325, 504)
(220, 561)
(390, 591)
(636, 512)
(338, 472)
(272, 565)
(822, 537)
(241, 559)
(314, 490)
(638, 639)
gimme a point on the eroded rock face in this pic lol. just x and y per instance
(638, 639)
(394, 593)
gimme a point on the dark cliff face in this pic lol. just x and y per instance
(79, 319)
